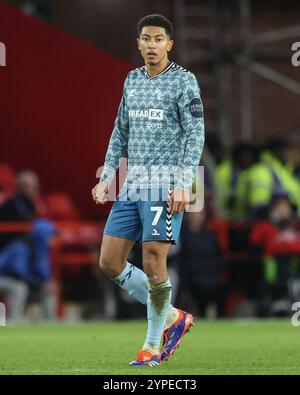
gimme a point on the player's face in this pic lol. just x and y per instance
(154, 44)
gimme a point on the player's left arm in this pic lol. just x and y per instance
(190, 109)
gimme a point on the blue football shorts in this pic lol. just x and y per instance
(144, 215)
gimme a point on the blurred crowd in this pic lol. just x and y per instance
(25, 258)
(243, 184)
(48, 254)
(254, 193)
(239, 256)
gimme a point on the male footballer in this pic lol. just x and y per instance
(160, 128)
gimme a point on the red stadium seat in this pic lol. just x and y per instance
(7, 182)
(76, 245)
(60, 207)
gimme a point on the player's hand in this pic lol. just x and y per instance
(179, 200)
(99, 192)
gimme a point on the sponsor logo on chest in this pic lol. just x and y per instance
(153, 114)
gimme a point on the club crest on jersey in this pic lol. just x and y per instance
(153, 114)
(158, 94)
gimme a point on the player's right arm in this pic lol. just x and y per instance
(99, 192)
(117, 149)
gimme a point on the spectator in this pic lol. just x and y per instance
(25, 268)
(22, 206)
(276, 243)
(232, 176)
(201, 264)
(271, 178)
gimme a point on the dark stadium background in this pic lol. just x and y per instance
(64, 78)
(60, 90)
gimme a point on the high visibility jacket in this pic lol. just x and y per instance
(270, 178)
(232, 184)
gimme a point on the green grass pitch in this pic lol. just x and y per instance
(106, 348)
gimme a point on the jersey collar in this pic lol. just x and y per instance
(144, 68)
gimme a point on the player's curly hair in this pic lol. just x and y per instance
(156, 20)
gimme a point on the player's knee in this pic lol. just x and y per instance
(105, 265)
(109, 266)
(151, 258)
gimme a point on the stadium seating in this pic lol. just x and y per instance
(7, 181)
(60, 207)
